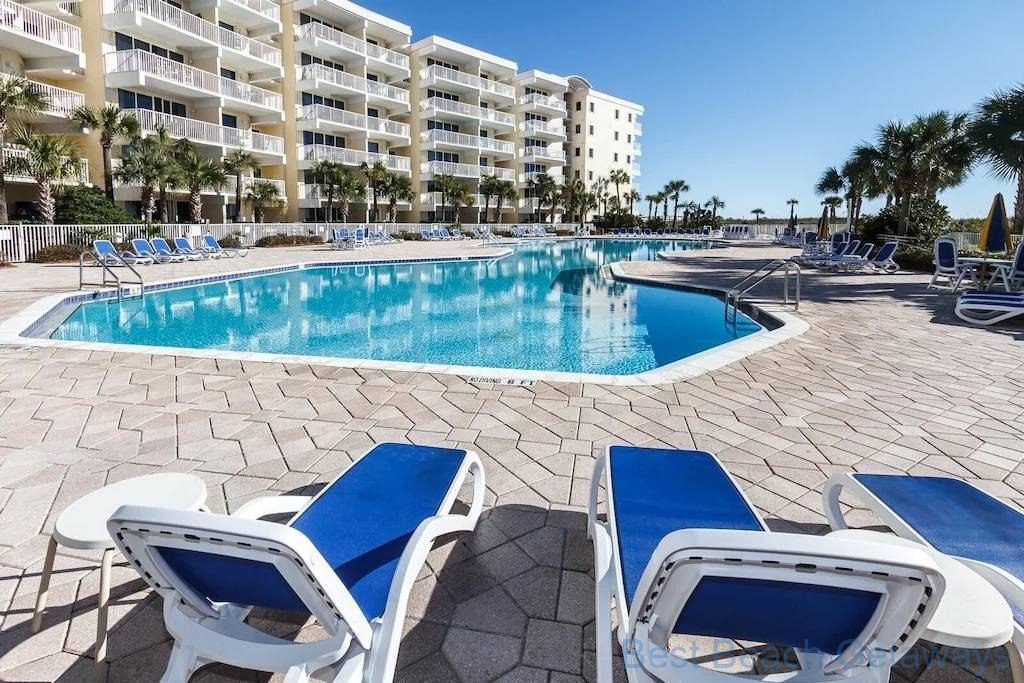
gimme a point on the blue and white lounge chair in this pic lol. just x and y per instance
(359, 238)
(214, 246)
(348, 557)
(185, 247)
(883, 261)
(683, 551)
(989, 308)
(948, 267)
(953, 516)
(107, 253)
(143, 249)
(164, 249)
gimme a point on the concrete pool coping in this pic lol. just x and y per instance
(17, 331)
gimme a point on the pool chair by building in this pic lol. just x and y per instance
(684, 553)
(348, 557)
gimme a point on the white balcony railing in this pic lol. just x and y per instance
(127, 61)
(197, 26)
(545, 153)
(528, 177)
(81, 174)
(544, 127)
(548, 101)
(636, 148)
(469, 110)
(448, 137)
(353, 157)
(638, 129)
(487, 85)
(59, 101)
(353, 44)
(247, 182)
(208, 133)
(20, 19)
(465, 170)
(353, 120)
(437, 199)
(353, 82)
(271, 10)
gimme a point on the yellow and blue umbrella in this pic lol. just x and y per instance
(823, 225)
(995, 234)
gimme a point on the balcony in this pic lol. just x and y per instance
(259, 17)
(162, 20)
(461, 81)
(542, 104)
(545, 130)
(44, 42)
(433, 199)
(636, 149)
(636, 170)
(321, 117)
(311, 196)
(323, 79)
(638, 129)
(81, 176)
(526, 178)
(464, 170)
(203, 133)
(323, 40)
(542, 154)
(131, 191)
(352, 157)
(60, 102)
(438, 107)
(140, 69)
(434, 139)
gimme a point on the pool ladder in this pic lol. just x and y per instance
(734, 296)
(130, 289)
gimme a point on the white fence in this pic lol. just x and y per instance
(20, 243)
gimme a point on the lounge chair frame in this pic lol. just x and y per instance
(356, 649)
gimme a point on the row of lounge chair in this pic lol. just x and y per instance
(531, 231)
(156, 250)
(359, 238)
(680, 549)
(705, 232)
(841, 253)
(435, 234)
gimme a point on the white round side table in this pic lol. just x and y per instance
(83, 526)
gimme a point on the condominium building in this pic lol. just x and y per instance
(303, 82)
(604, 134)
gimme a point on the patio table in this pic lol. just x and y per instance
(1001, 268)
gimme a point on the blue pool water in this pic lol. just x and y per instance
(545, 307)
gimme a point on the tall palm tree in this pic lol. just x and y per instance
(633, 196)
(507, 192)
(144, 163)
(326, 175)
(238, 163)
(113, 124)
(48, 159)
(792, 208)
(571, 196)
(17, 95)
(489, 187)
(832, 202)
(545, 189)
(458, 197)
(715, 203)
(651, 200)
(673, 189)
(757, 215)
(588, 203)
(446, 185)
(619, 177)
(263, 195)
(376, 176)
(350, 187)
(600, 188)
(199, 173)
(691, 210)
(998, 135)
(397, 188)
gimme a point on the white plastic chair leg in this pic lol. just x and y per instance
(181, 666)
(44, 585)
(101, 612)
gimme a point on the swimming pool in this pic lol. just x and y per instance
(548, 306)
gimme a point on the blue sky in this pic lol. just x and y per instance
(752, 99)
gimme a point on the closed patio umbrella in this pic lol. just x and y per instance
(995, 233)
(823, 225)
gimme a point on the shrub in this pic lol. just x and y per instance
(77, 205)
(280, 240)
(928, 220)
(410, 236)
(915, 258)
(231, 242)
(58, 253)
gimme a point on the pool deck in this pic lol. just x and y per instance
(886, 379)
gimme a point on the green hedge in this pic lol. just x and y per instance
(58, 253)
(286, 240)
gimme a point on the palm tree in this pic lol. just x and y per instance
(792, 208)
(618, 177)
(397, 188)
(489, 187)
(998, 135)
(633, 196)
(48, 159)
(588, 203)
(237, 163)
(112, 123)
(376, 176)
(544, 189)
(446, 185)
(832, 202)
(757, 215)
(458, 197)
(17, 95)
(144, 163)
(171, 176)
(199, 173)
(714, 204)
(507, 192)
(600, 189)
(263, 195)
(571, 195)
(651, 200)
(673, 189)
(350, 188)
(691, 210)
(326, 175)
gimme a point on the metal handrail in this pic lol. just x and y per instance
(741, 288)
(114, 278)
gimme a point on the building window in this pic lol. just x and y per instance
(590, 152)
(450, 157)
(616, 113)
(373, 147)
(590, 175)
(616, 136)
(579, 106)
(222, 24)
(577, 151)
(228, 74)
(484, 161)
(373, 113)
(629, 117)
(629, 159)
(442, 125)
(576, 174)
(591, 107)
(629, 138)
(590, 130)
(616, 157)
(313, 138)
(579, 129)
(229, 120)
